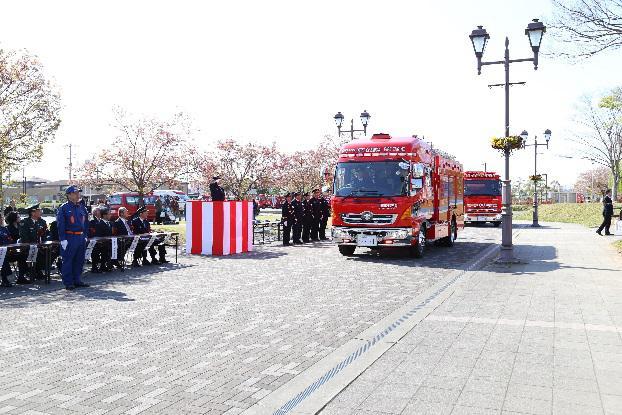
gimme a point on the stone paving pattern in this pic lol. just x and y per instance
(209, 335)
(538, 338)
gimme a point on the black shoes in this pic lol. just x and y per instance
(23, 280)
(5, 283)
(81, 285)
(135, 264)
(95, 271)
(164, 261)
(70, 287)
(598, 232)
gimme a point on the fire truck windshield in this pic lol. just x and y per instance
(482, 188)
(380, 178)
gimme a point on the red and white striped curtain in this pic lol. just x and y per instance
(219, 228)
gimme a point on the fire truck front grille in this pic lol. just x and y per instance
(358, 218)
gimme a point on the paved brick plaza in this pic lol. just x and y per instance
(209, 335)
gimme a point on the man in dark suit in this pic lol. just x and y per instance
(316, 210)
(325, 210)
(121, 227)
(217, 192)
(607, 214)
(104, 230)
(287, 218)
(307, 218)
(96, 252)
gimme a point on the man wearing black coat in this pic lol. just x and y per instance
(287, 218)
(607, 214)
(217, 192)
(325, 211)
(298, 217)
(316, 210)
(307, 218)
(140, 225)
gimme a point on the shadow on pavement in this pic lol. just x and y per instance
(45, 293)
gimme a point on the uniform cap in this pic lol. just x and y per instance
(316, 190)
(216, 178)
(140, 210)
(72, 189)
(32, 208)
(288, 195)
(306, 194)
(296, 194)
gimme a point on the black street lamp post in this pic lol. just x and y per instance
(547, 137)
(364, 120)
(479, 37)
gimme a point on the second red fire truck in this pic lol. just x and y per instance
(482, 197)
(395, 192)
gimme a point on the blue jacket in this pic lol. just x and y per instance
(5, 236)
(72, 219)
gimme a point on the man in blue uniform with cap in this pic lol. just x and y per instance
(72, 231)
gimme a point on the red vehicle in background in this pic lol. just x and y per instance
(482, 197)
(395, 192)
(130, 201)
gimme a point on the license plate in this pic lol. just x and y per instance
(366, 240)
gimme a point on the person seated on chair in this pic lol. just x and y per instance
(144, 228)
(121, 227)
(96, 252)
(141, 226)
(5, 239)
(53, 237)
(104, 229)
(34, 230)
(12, 224)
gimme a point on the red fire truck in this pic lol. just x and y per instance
(482, 197)
(395, 192)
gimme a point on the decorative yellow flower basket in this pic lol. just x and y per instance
(513, 142)
(536, 178)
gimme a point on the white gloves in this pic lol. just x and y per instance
(64, 244)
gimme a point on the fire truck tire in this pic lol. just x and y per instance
(497, 224)
(453, 234)
(347, 250)
(418, 249)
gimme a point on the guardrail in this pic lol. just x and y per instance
(267, 232)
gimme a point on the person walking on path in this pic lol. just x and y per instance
(607, 214)
(72, 230)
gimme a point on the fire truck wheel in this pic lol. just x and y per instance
(418, 249)
(347, 250)
(497, 224)
(453, 234)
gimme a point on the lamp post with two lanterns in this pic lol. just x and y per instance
(479, 37)
(364, 120)
(547, 137)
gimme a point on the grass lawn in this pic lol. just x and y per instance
(587, 214)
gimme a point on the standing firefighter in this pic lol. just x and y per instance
(298, 217)
(316, 210)
(72, 231)
(325, 209)
(307, 218)
(287, 218)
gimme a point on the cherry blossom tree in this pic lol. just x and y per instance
(29, 111)
(594, 181)
(148, 153)
(245, 166)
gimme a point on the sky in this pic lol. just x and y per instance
(279, 70)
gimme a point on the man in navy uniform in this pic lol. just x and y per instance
(140, 226)
(287, 218)
(298, 217)
(217, 192)
(72, 231)
(34, 230)
(316, 210)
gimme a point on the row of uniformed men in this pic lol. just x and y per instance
(72, 228)
(306, 217)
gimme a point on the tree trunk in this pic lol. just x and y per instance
(614, 189)
(2, 189)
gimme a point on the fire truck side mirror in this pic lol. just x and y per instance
(416, 183)
(418, 170)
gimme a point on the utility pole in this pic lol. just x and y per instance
(70, 163)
